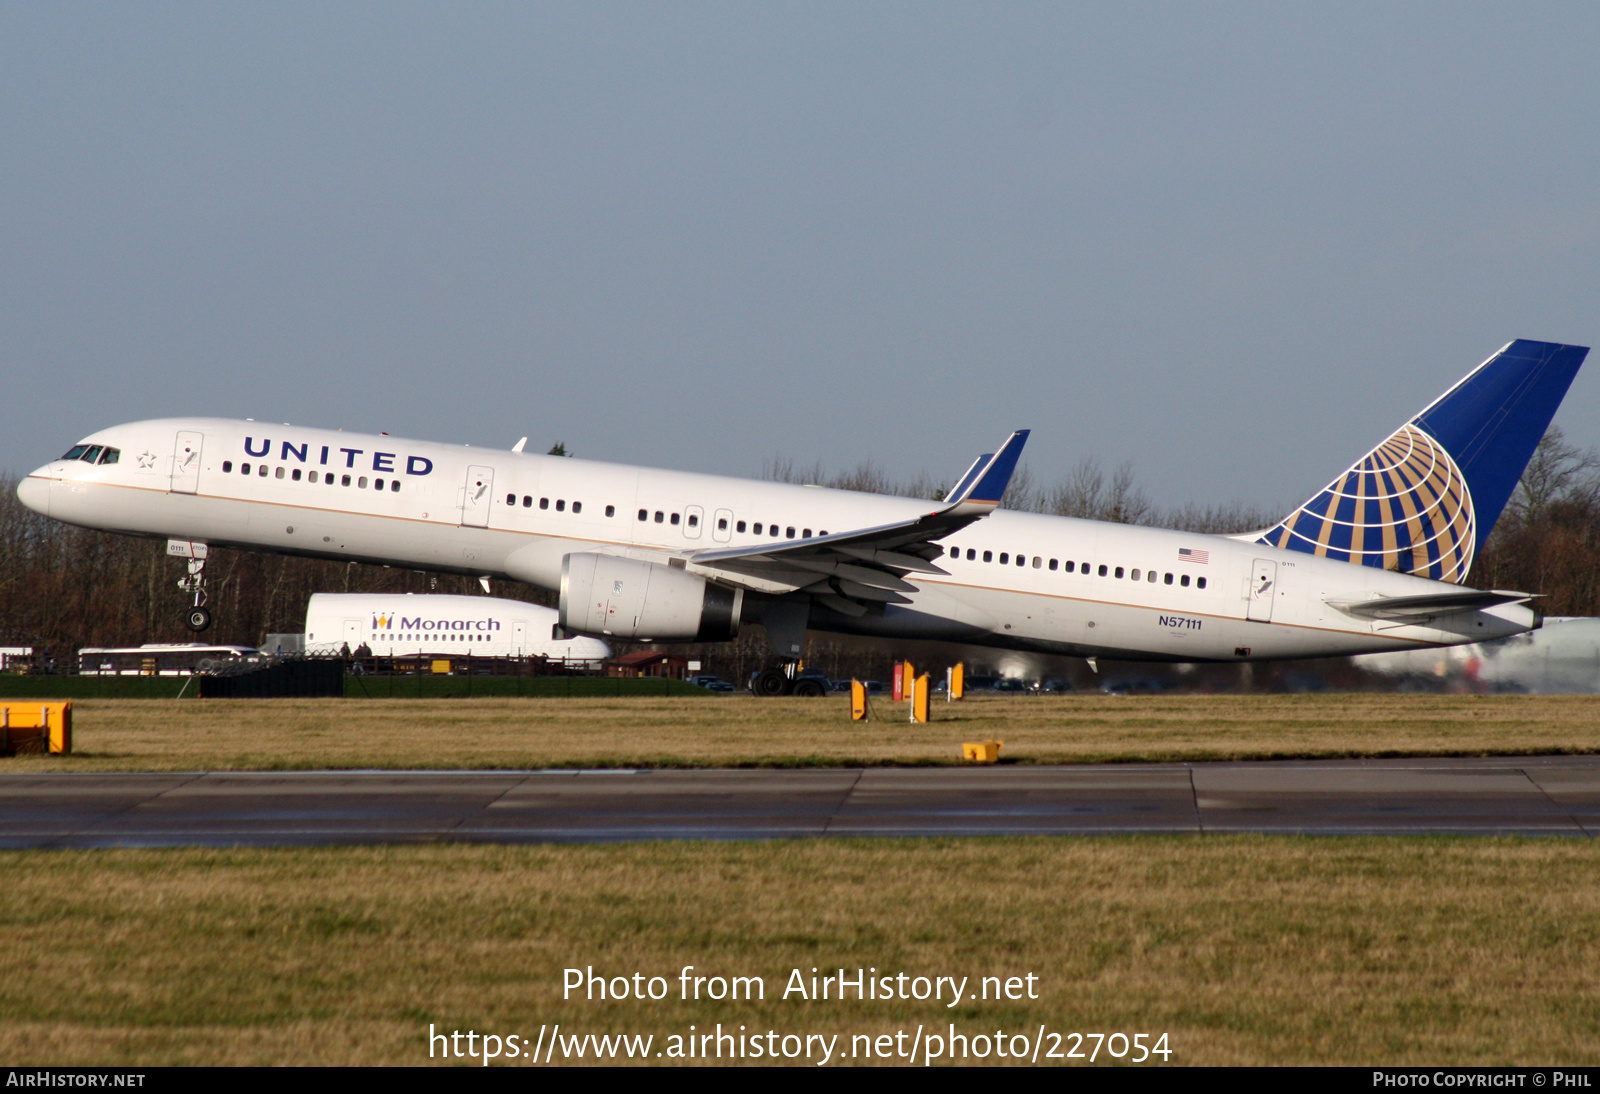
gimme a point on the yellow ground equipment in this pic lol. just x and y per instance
(919, 698)
(958, 681)
(858, 701)
(35, 728)
(981, 752)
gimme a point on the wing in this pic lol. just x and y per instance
(849, 571)
(1429, 604)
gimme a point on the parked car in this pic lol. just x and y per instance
(711, 683)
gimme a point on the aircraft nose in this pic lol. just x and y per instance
(34, 492)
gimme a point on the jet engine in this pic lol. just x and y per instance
(627, 598)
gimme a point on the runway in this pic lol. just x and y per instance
(1553, 795)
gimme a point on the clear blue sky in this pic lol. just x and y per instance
(1235, 244)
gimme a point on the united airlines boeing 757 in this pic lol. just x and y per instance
(1375, 561)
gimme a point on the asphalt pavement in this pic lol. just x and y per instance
(1534, 795)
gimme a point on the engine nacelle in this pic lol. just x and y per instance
(627, 598)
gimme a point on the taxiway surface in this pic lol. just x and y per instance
(1552, 795)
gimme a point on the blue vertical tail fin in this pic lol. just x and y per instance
(1425, 499)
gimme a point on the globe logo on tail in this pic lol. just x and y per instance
(1404, 506)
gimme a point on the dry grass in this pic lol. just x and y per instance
(485, 733)
(1245, 950)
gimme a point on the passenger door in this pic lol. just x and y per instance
(693, 518)
(1263, 590)
(479, 495)
(186, 462)
(722, 526)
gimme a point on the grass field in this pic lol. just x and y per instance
(741, 730)
(1244, 950)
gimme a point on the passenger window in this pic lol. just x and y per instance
(1119, 572)
(344, 480)
(227, 466)
(1200, 582)
(544, 503)
(772, 530)
(92, 454)
(1037, 562)
(577, 507)
(1102, 569)
(660, 516)
(361, 483)
(674, 520)
(244, 469)
(1184, 581)
(377, 484)
(1152, 577)
(805, 533)
(295, 474)
(644, 514)
(1022, 560)
(561, 505)
(789, 532)
(311, 476)
(694, 521)
(1005, 558)
(110, 455)
(527, 501)
(722, 524)
(394, 486)
(755, 528)
(1134, 575)
(277, 473)
(511, 499)
(739, 527)
(611, 510)
(328, 478)
(971, 554)
(988, 556)
(1167, 580)
(1054, 563)
(1070, 567)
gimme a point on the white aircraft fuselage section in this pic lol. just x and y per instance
(1015, 580)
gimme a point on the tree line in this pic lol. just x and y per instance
(65, 588)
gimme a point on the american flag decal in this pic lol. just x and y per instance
(1202, 558)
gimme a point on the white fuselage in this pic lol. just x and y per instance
(430, 506)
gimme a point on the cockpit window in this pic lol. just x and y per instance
(75, 451)
(92, 455)
(110, 455)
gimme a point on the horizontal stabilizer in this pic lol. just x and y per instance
(1428, 604)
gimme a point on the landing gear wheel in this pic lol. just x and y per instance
(197, 619)
(770, 683)
(810, 689)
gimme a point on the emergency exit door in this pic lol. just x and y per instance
(479, 495)
(1263, 590)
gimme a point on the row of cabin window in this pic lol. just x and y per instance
(1150, 576)
(359, 481)
(561, 504)
(93, 453)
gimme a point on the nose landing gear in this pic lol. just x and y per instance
(197, 618)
